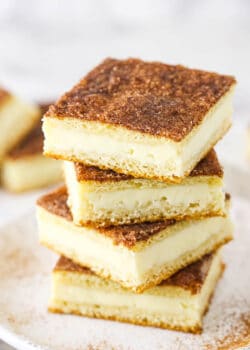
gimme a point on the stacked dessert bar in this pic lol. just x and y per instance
(23, 166)
(143, 214)
(17, 118)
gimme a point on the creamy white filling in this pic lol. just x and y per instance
(151, 303)
(186, 238)
(201, 194)
(30, 172)
(215, 121)
(150, 196)
(89, 247)
(92, 141)
(16, 118)
(86, 246)
(160, 300)
(86, 144)
(77, 197)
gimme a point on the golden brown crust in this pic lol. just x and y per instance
(196, 329)
(106, 222)
(128, 235)
(208, 166)
(93, 173)
(148, 97)
(3, 95)
(44, 107)
(193, 276)
(67, 265)
(55, 202)
(32, 143)
(190, 278)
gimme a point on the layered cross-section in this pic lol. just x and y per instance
(104, 197)
(25, 167)
(145, 119)
(177, 303)
(17, 118)
(138, 255)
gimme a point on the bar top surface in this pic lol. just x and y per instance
(148, 97)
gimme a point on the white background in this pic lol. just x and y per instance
(47, 45)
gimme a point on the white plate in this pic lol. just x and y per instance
(24, 288)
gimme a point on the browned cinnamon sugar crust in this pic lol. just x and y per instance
(33, 142)
(128, 235)
(190, 278)
(93, 173)
(3, 95)
(149, 97)
(67, 265)
(55, 202)
(209, 166)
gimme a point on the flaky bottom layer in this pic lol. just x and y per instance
(115, 314)
(122, 315)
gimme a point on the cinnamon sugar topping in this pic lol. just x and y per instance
(55, 202)
(148, 97)
(192, 277)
